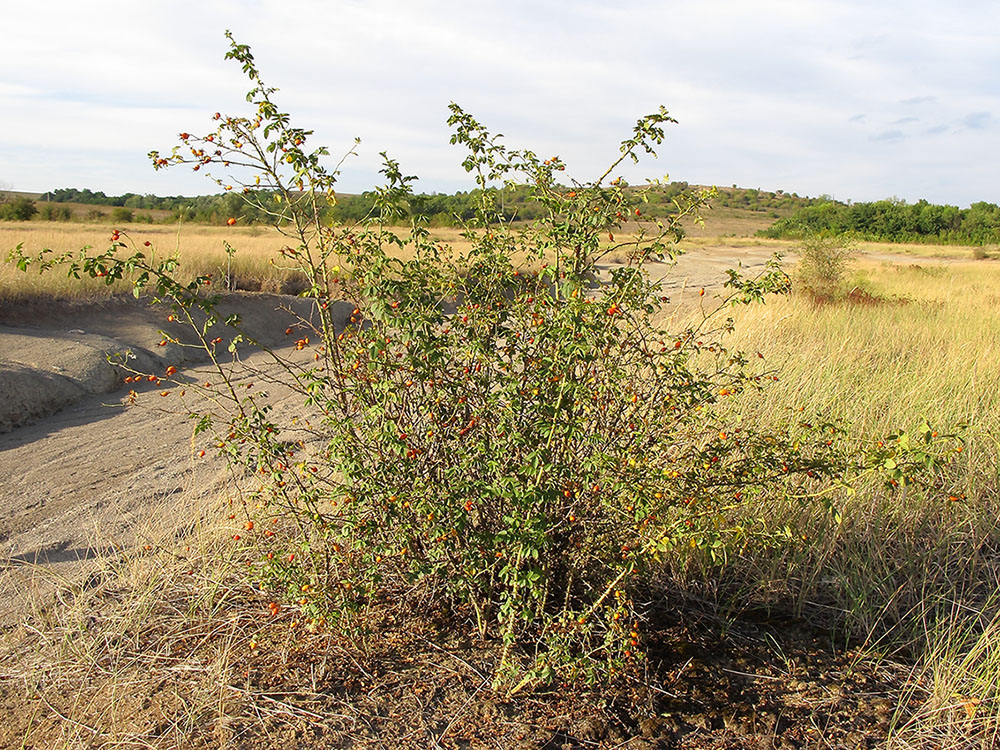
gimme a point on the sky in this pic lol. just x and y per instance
(856, 99)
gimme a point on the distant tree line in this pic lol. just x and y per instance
(514, 203)
(440, 208)
(210, 209)
(128, 200)
(894, 221)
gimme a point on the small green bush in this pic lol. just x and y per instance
(822, 266)
(122, 215)
(55, 212)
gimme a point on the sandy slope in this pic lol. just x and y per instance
(82, 482)
(87, 478)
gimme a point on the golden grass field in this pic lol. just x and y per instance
(930, 347)
(201, 250)
(199, 247)
(256, 266)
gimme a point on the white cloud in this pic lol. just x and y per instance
(767, 93)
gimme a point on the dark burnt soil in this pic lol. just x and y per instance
(766, 684)
(758, 687)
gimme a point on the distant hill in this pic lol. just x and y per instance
(734, 210)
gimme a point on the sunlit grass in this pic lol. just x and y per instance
(200, 248)
(927, 343)
(257, 264)
(926, 250)
(908, 574)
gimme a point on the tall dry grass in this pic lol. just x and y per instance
(257, 264)
(924, 340)
(908, 574)
(201, 250)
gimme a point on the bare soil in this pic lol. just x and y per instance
(79, 481)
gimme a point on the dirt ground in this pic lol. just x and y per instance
(763, 685)
(82, 466)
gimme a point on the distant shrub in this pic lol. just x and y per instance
(18, 209)
(122, 215)
(822, 265)
(50, 212)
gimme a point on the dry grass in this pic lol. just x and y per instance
(728, 221)
(256, 266)
(927, 343)
(200, 248)
(929, 250)
(148, 651)
(905, 573)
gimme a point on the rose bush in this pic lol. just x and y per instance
(489, 429)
